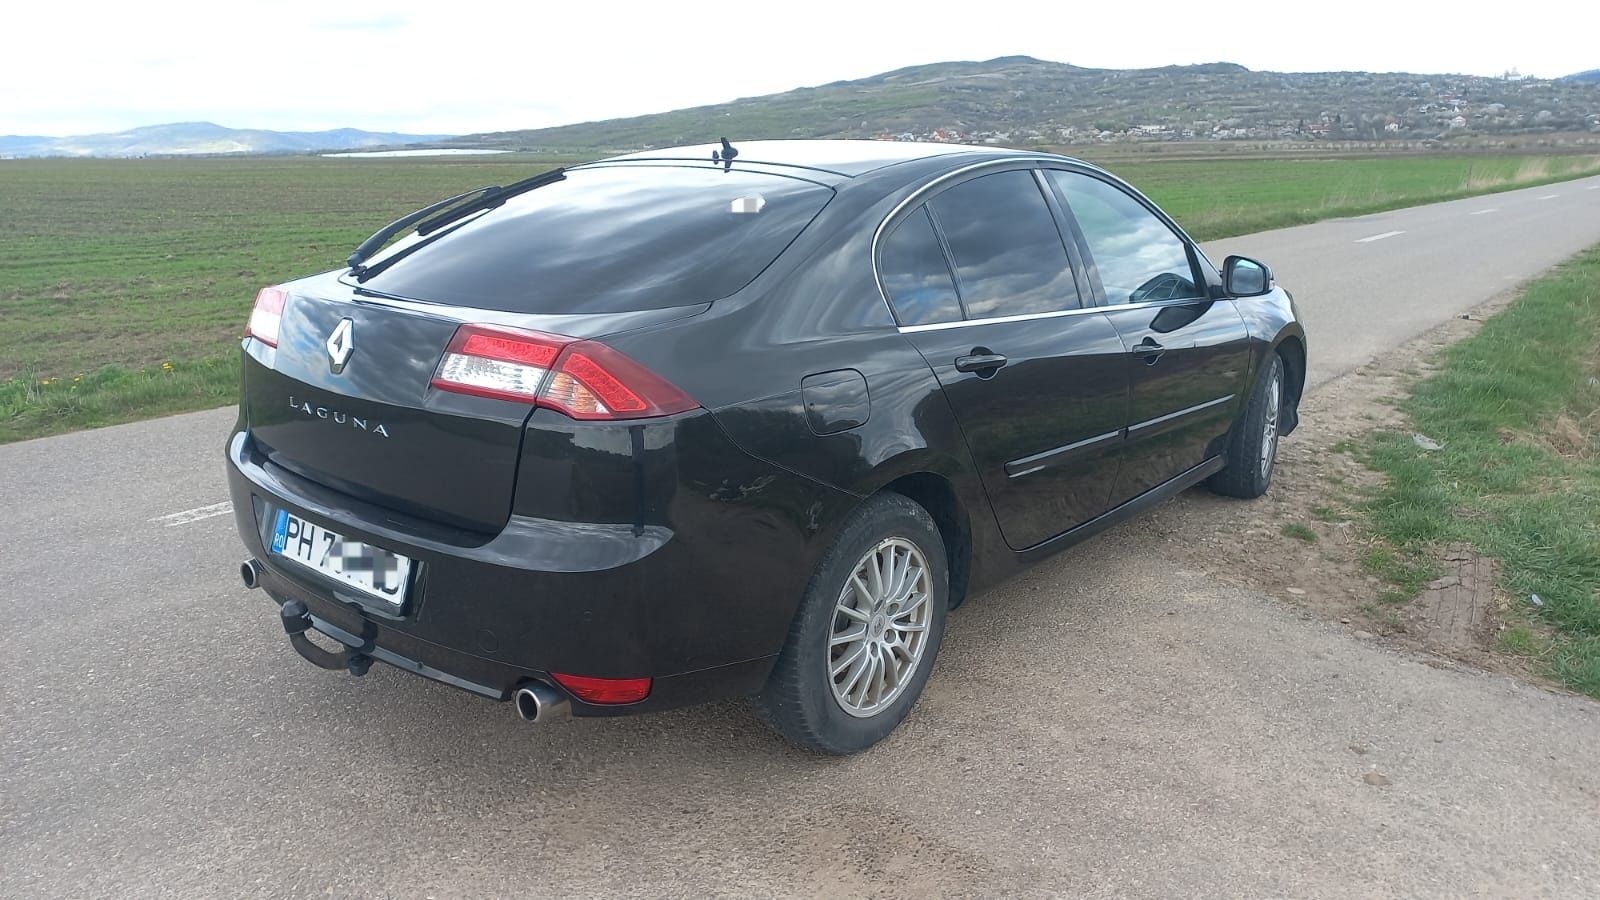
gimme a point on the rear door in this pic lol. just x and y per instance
(1187, 355)
(983, 285)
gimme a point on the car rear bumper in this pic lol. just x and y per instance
(489, 613)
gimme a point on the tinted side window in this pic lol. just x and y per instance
(1008, 254)
(1138, 256)
(916, 275)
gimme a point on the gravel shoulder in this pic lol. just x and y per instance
(1305, 542)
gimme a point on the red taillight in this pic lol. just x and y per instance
(593, 381)
(525, 349)
(266, 314)
(604, 690)
(583, 379)
(493, 361)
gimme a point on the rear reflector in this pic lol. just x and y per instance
(266, 315)
(583, 379)
(604, 690)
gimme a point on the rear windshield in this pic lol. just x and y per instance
(608, 239)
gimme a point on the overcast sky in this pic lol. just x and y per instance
(456, 66)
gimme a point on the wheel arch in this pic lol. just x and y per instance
(938, 496)
(1292, 348)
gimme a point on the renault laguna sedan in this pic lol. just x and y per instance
(736, 420)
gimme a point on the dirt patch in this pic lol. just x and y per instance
(1304, 541)
(1453, 615)
(1566, 437)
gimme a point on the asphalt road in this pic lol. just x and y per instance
(1371, 283)
(1106, 724)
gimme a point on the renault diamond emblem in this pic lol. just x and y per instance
(341, 344)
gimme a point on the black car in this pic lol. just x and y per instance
(736, 420)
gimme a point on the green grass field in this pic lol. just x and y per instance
(125, 284)
(1222, 198)
(1517, 410)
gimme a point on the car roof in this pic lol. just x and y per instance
(846, 158)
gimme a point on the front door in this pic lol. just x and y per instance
(1186, 363)
(1188, 355)
(1037, 383)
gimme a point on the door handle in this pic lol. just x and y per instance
(1149, 351)
(982, 363)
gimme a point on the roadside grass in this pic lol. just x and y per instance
(1517, 410)
(1299, 531)
(112, 394)
(110, 268)
(129, 264)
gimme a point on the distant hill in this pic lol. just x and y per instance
(1590, 77)
(1021, 100)
(185, 138)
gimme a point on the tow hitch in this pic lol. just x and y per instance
(357, 651)
(297, 621)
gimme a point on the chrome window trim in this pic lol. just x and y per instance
(1036, 164)
(1060, 313)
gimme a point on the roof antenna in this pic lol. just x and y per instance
(726, 156)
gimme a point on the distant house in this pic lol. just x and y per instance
(1458, 122)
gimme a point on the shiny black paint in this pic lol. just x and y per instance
(592, 597)
(1063, 385)
(1183, 395)
(836, 401)
(372, 428)
(678, 548)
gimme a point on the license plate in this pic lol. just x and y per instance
(373, 571)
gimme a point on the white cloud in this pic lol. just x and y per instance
(469, 65)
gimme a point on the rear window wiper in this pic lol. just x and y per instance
(492, 197)
(446, 211)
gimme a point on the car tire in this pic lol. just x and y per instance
(821, 695)
(1253, 447)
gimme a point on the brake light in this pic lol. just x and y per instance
(504, 363)
(604, 690)
(593, 381)
(266, 315)
(582, 379)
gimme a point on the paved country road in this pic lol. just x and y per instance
(1109, 723)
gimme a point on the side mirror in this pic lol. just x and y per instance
(1244, 277)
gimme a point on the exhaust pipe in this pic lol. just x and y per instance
(250, 573)
(538, 702)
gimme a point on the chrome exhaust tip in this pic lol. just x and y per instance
(250, 573)
(539, 702)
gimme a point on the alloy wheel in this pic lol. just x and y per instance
(880, 627)
(1269, 432)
